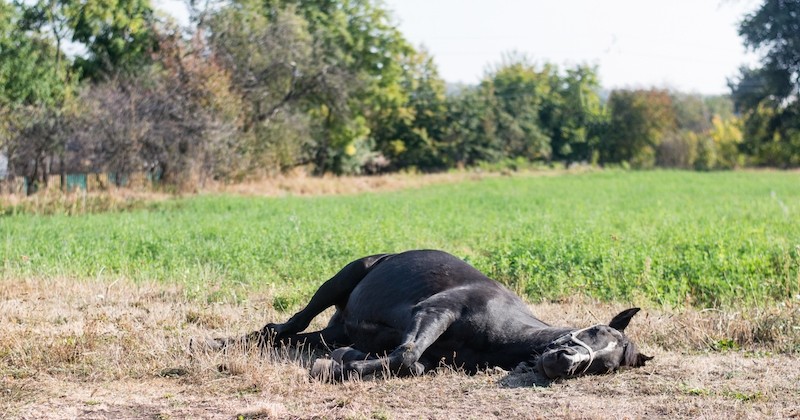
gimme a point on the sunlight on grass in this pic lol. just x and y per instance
(670, 238)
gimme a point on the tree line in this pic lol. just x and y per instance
(252, 88)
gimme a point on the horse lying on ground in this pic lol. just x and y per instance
(414, 311)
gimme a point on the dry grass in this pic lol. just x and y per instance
(78, 202)
(300, 183)
(297, 183)
(77, 349)
(54, 201)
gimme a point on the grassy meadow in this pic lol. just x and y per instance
(649, 238)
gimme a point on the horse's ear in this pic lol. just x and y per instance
(620, 322)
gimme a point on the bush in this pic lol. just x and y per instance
(678, 149)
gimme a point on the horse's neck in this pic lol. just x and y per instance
(537, 338)
(528, 332)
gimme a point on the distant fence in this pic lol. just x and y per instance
(81, 182)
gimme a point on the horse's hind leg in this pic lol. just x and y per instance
(330, 337)
(335, 291)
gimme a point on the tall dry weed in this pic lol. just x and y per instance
(50, 202)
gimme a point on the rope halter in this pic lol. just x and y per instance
(573, 337)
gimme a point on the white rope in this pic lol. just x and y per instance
(574, 338)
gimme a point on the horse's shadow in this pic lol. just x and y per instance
(525, 375)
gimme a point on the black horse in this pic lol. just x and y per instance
(414, 311)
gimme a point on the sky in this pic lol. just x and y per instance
(686, 45)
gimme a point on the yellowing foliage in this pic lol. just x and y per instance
(727, 136)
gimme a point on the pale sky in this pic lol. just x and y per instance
(689, 45)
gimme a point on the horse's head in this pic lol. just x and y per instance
(594, 350)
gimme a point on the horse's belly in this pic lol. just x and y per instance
(379, 310)
(373, 337)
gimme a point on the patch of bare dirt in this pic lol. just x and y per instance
(77, 349)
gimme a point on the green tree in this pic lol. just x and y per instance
(35, 99)
(360, 38)
(576, 116)
(470, 128)
(691, 112)
(273, 65)
(413, 137)
(692, 144)
(336, 66)
(31, 72)
(768, 97)
(720, 106)
(542, 113)
(519, 92)
(116, 34)
(639, 119)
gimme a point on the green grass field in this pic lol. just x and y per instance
(649, 238)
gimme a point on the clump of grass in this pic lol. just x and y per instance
(725, 331)
(697, 391)
(744, 396)
(263, 411)
(205, 318)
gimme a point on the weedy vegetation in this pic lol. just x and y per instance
(97, 309)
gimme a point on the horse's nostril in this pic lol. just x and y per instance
(565, 352)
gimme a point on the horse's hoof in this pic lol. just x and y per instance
(338, 355)
(273, 331)
(269, 336)
(417, 369)
(325, 370)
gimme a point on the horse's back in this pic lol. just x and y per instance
(410, 277)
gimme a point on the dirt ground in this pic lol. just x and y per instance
(98, 349)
